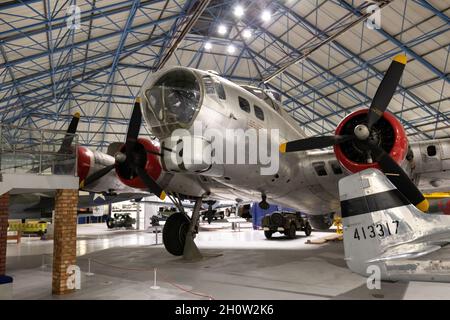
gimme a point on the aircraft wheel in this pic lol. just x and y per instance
(308, 229)
(110, 223)
(291, 232)
(268, 234)
(174, 233)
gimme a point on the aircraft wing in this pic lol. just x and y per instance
(92, 200)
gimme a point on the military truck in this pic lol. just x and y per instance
(121, 220)
(287, 223)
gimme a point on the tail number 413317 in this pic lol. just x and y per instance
(379, 230)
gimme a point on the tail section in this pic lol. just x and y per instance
(382, 228)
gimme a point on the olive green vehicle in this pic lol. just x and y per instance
(287, 223)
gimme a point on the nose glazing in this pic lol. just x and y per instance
(172, 101)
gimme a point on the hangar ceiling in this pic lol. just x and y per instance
(318, 54)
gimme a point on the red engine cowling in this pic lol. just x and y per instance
(84, 164)
(152, 164)
(389, 132)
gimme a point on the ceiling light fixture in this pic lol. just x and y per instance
(238, 11)
(231, 49)
(266, 15)
(208, 46)
(222, 29)
(247, 33)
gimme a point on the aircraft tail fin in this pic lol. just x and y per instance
(381, 227)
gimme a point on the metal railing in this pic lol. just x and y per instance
(37, 151)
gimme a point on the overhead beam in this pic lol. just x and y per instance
(398, 43)
(186, 25)
(323, 42)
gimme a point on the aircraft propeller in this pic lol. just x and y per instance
(363, 133)
(132, 157)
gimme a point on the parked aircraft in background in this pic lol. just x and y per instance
(439, 202)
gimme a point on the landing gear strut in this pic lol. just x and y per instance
(179, 233)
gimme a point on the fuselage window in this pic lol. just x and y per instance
(259, 113)
(220, 90)
(335, 167)
(319, 167)
(431, 151)
(244, 104)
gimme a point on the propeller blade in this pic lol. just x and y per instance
(133, 127)
(96, 175)
(386, 90)
(313, 143)
(65, 145)
(150, 183)
(399, 178)
(71, 130)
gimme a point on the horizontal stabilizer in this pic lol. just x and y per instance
(406, 251)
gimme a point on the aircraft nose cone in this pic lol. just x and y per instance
(362, 132)
(120, 157)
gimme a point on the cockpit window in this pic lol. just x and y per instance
(209, 85)
(220, 90)
(173, 100)
(275, 95)
(214, 86)
(262, 94)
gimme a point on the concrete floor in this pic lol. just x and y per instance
(237, 265)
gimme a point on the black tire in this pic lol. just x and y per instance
(291, 233)
(277, 219)
(174, 233)
(268, 234)
(308, 229)
(110, 223)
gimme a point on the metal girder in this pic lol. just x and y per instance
(308, 52)
(117, 56)
(358, 60)
(182, 29)
(398, 43)
(429, 6)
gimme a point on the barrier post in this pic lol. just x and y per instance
(154, 287)
(89, 273)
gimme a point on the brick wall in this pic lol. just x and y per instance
(65, 238)
(4, 204)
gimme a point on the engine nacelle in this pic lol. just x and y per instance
(148, 152)
(84, 164)
(388, 131)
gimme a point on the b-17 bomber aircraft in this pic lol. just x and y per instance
(217, 140)
(187, 109)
